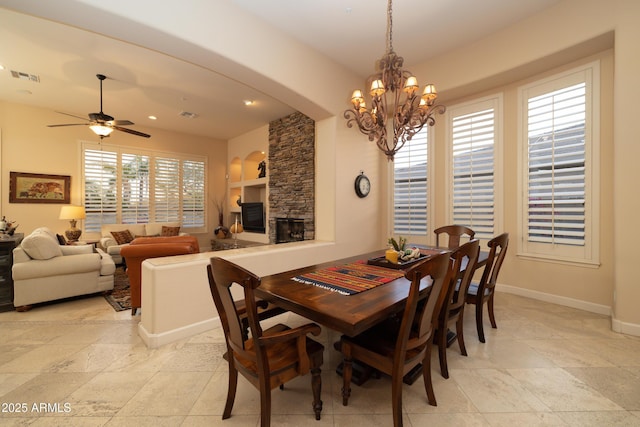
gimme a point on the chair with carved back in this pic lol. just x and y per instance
(454, 233)
(395, 347)
(464, 264)
(268, 358)
(483, 291)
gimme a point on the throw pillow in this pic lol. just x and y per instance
(122, 237)
(61, 239)
(41, 245)
(170, 231)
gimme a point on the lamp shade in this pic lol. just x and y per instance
(72, 212)
(101, 130)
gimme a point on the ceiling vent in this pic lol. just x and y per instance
(25, 76)
(188, 115)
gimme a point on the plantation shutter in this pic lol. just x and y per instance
(193, 193)
(473, 139)
(135, 189)
(167, 190)
(410, 187)
(556, 162)
(100, 200)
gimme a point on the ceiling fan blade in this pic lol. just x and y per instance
(119, 123)
(69, 124)
(77, 117)
(131, 131)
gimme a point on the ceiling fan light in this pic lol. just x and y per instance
(101, 130)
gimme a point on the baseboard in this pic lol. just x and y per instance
(625, 328)
(556, 299)
(158, 340)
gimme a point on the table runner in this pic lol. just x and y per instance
(349, 279)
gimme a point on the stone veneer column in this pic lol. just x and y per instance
(291, 172)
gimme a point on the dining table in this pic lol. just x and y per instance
(348, 314)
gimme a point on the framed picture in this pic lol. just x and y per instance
(39, 188)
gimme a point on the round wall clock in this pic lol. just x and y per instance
(362, 185)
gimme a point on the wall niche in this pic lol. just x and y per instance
(291, 172)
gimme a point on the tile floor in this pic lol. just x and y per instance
(80, 363)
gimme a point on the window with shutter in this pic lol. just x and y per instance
(556, 189)
(166, 194)
(193, 200)
(410, 169)
(135, 189)
(123, 185)
(558, 169)
(100, 188)
(473, 138)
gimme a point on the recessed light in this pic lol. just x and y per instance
(248, 102)
(153, 118)
(1, 67)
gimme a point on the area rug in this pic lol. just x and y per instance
(120, 297)
(351, 278)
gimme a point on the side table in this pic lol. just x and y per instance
(7, 243)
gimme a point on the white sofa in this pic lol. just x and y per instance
(45, 271)
(109, 244)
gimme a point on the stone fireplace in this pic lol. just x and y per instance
(291, 174)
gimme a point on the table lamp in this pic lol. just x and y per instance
(73, 213)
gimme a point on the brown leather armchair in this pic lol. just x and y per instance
(143, 248)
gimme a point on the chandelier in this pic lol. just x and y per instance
(409, 113)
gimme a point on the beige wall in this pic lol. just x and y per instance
(28, 145)
(570, 31)
(590, 284)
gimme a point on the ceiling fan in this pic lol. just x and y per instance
(103, 124)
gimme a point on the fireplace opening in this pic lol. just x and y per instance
(289, 230)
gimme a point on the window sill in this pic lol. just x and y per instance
(559, 260)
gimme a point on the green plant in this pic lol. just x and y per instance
(398, 245)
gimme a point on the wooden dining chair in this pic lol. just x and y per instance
(395, 347)
(270, 357)
(464, 264)
(482, 292)
(454, 233)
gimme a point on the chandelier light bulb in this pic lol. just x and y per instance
(377, 88)
(411, 85)
(357, 99)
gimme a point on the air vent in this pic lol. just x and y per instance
(25, 76)
(188, 115)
